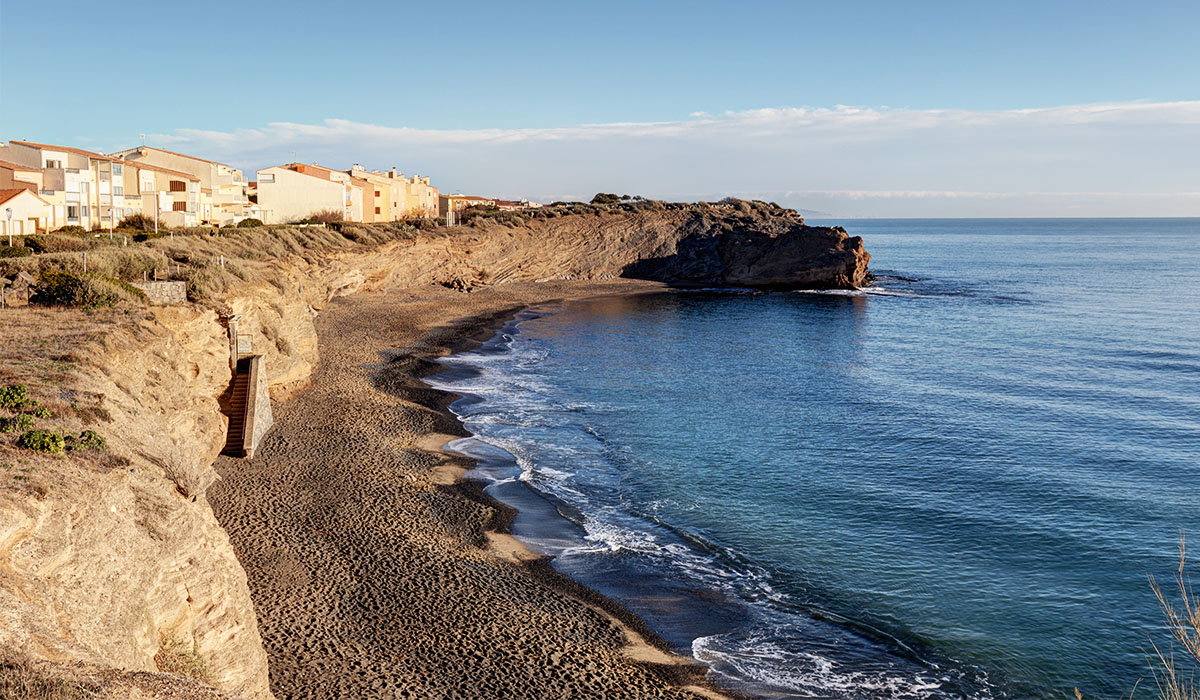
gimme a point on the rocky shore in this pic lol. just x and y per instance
(363, 567)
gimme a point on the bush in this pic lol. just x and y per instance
(15, 251)
(16, 423)
(87, 440)
(606, 198)
(42, 441)
(87, 291)
(325, 216)
(41, 413)
(48, 243)
(137, 222)
(70, 229)
(14, 396)
(250, 223)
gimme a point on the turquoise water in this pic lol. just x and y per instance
(953, 485)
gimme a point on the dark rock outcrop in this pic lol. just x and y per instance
(748, 244)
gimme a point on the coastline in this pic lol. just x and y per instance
(334, 571)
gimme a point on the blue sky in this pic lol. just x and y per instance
(971, 107)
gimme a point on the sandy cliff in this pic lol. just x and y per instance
(105, 560)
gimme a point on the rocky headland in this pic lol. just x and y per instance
(347, 558)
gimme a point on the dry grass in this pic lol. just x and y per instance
(211, 261)
(175, 656)
(22, 679)
(1174, 673)
(191, 474)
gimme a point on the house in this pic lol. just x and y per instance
(293, 192)
(70, 180)
(457, 202)
(171, 195)
(516, 204)
(22, 212)
(422, 196)
(222, 196)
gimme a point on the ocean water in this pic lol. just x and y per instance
(953, 485)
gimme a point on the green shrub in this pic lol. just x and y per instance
(14, 396)
(15, 251)
(16, 423)
(87, 440)
(41, 413)
(70, 229)
(89, 291)
(249, 223)
(42, 441)
(607, 198)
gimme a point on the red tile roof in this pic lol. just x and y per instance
(17, 166)
(6, 195)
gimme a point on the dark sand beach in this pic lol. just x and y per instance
(375, 570)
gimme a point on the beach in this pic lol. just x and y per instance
(375, 570)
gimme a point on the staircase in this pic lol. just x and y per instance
(239, 405)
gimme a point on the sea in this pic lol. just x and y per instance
(956, 483)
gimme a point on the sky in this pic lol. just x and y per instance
(846, 108)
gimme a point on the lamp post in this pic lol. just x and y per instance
(8, 215)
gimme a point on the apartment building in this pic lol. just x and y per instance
(296, 191)
(69, 180)
(385, 195)
(222, 197)
(422, 196)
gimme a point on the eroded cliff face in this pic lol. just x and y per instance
(108, 559)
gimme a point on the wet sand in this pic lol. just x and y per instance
(376, 572)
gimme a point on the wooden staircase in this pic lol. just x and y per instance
(238, 410)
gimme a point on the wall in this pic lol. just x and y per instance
(293, 196)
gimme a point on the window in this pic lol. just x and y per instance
(118, 190)
(378, 193)
(118, 169)
(53, 163)
(179, 206)
(266, 177)
(377, 210)
(178, 186)
(72, 212)
(85, 211)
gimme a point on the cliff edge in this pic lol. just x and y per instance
(115, 558)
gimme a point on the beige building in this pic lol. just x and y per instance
(457, 202)
(422, 196)
(294, 192)
(70, 181)
(22, 212)
(222, 197)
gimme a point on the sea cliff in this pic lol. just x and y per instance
(112, 562)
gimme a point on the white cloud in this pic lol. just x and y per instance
(1131, 158)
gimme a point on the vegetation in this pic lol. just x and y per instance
(609, 198)
(89, 291)
(21, 679)
(87, 440)
(55, 243)
(1174, 673)
(15, 251)
(250, 223)
(137, 222)
(324, 216)
(70, 229)
(42, 441)
(191, 475)
(14, 396)
(174, 656)
(16, 423)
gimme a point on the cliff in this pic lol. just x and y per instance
(111, 559)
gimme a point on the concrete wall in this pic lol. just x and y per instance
(174, 292)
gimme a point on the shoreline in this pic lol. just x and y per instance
(332, 564)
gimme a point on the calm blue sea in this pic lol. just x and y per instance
(953, 485)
